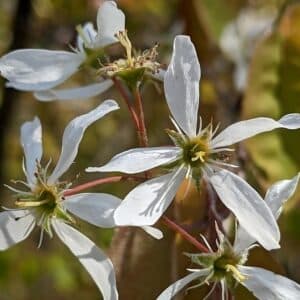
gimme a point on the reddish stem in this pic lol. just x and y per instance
(184, 234)
(142, 127)
(123, 93)
(100, 181)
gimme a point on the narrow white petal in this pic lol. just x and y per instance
(154, 232)
(15, 226)
(181, 84)
(73, 135)
(36, 70)
(249, 208)
(97, 264)
(266, 285)
(276, 196)
(31, 140)
(89, 36)
(83, 92)
(146, 203)
(279, 193)
(95, 208)
(139, 160)
(177, 286)
(245, 129)
(110, 20)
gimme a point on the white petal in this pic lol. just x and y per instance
(73, 135)
(266, 285)
(279, 193)
(83, 92)
(182, 85)
(177, 286)
(15, 226)
(154, 232)
(110, 20)
(31, 140)
(95, 208)
(245, 129)
(139, 160)
(146, 203)
(89, 33)
(36, 70)
(97, 264)
(276, 195)
(249, 208)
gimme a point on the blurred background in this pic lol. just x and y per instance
(250, 58)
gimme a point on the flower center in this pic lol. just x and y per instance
(226, 267)
(44, 201)
(195, 152)
(133, 66)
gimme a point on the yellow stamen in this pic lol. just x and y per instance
(31, 203)
(125, 42)
(199, 155)
(236, 273)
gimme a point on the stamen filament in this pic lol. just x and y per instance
(31, 203)
(236, 273)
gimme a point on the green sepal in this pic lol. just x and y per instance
(131, 76)
(176, 137)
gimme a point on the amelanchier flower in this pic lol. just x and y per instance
(43, 203)
(240, 37)
(197, 154)
(41, 71)
(226, 266)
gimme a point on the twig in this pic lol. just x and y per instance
(100, 181)
(175, 227)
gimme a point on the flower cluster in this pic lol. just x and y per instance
(200, 155)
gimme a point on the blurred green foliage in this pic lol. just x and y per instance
(273, 90)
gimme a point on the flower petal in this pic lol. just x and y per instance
(97, 264)
(146, 203)
(139, 160)
(89, 33)
(177, 286)
(15, 226)
(154, 232)
(31, 140)
(249, 208)
(95, 208)
(279, 193)
(36, 70)
(181, 84)
(110, 20)
(245, 129)
(73, 135)
(276, 195)
(266, 285)
(83, 92)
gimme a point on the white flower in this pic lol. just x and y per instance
(195, 155)
(240, 37)
(43, 203)
(226, 265)
(41, 71)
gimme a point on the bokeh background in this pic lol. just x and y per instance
(271, 88)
